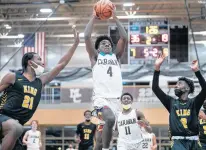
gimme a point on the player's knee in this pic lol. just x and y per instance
(17, 129)
(110, 120)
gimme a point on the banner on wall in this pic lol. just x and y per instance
(140, 94)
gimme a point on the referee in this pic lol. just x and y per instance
(85, 132)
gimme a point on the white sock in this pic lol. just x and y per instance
(105, 148)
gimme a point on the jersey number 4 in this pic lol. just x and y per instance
(109, 71)
(28, 102)
(127, 130)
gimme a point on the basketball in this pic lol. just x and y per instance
(103, 9)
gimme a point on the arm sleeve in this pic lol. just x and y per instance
(199, 99)
(165, 99)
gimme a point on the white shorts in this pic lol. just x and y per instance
(32, 148)
(113, 103)
(129, 146)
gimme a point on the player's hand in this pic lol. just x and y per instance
(77, 140)
(160, 59)
(153, 148)
(141, 123)
(114, 14)
(76, 34)
(202, 115)
(194, 66)
(94, 12)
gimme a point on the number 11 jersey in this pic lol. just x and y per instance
(107, 77)
(128, 128)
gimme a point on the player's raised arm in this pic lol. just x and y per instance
(164, 98)
(123, 37)
(6, 81)
(200, 98)
(88, 39)
(48, 77)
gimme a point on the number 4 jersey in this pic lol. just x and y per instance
(128, 128)
(107, 77)
(21, 99)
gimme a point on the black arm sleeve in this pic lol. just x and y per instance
(165, 99)
(199, 99)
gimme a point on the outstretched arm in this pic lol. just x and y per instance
(88, 39)
(165, 99)
(48, 77)
(200, 98)
(123, 37)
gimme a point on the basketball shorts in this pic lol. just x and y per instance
(203, 146)
(121, 145)
(85, 147)
(186, 145)
(113, 103)
(33, 148)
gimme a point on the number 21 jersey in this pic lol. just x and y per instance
(107, 77)
(21, 99)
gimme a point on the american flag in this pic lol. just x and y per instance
(35, 43)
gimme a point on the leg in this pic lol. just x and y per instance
(109, 119)
(12, 130)
(98, 137)
(90, 148)
(195, 145)
(180, 145)
(203, 146)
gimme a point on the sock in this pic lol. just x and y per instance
(105, 148)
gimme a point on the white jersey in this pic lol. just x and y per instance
(147, 140)
(107, 77)
(128, 128)
(33, 140)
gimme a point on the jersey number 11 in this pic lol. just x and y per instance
(127, 130)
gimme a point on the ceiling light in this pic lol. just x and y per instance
(128, 4)
(45, 10)
(20, 35)
(8, 27)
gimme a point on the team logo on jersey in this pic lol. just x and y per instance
(107, 62)
(30, 90)
(127, 122)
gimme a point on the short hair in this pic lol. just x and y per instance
(189, 82)
(87, 111)
(37, 122)
(101, 38)
(128, 95)
(26, 58)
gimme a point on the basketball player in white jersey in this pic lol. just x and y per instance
(107, 78)
(129, 124)
(32, 138)
(149, 140)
